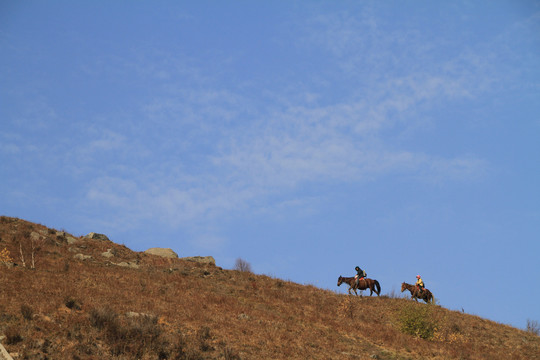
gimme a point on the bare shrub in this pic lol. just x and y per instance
(138, 336)
(13, 335)
(84, 349)
(242, 265)
(27, 312)
(134, 336)
(533, 327)
(72, 303)
(393, 294)
(204, 335)
(103, 317)
(348, 307)
(179, 349)
(230, 354)
(31, 244)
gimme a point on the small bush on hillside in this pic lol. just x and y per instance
(27, 312)
(393, 294)
(417, 321)
(204, 335)
(137, 336)
(533, 327)
(13, 335)
(103, 317)
(133, 336)
(242, 265)
(179, 349)
(230, 354)
(5, 256)
(72, 303)
(348, 307)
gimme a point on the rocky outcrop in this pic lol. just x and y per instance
(96, 236)
(82, 257)
(108, 253)
(128, 264)
(67, 237)
(4, 355)
(201, 259)
(163, 252)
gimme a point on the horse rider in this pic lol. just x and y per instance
(360, 275)
(419, 284)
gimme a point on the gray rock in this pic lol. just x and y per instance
(163, 252)
(201, 259)
(131, 264)
(243, 316)
(71, 240)
(4, 355)
(132, 314)
(96, 236)
(82, 257)
(107, 254)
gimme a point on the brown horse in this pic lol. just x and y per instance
(371, 284)
(425, 295)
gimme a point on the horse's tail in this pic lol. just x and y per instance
(430, 297)
(378, 287)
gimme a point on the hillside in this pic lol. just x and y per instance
(78, 303)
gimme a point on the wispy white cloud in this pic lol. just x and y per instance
(196, 150)
(273, 155)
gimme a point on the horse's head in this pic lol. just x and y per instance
(340, 280)
(403, 287)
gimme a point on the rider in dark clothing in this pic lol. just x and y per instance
(360, 274)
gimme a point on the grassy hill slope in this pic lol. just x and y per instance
(78, 304)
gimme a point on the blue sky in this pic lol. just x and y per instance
(303, 137)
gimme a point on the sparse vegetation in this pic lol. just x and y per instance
(175, 309)
(417, 320)
(72, 303)
(27, 312)
(348, 307)
(533, 327)
(242, 265)
(5, 257)
(13, 335)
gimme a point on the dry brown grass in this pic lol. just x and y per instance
(173, 309)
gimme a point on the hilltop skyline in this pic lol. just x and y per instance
(304, 139)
